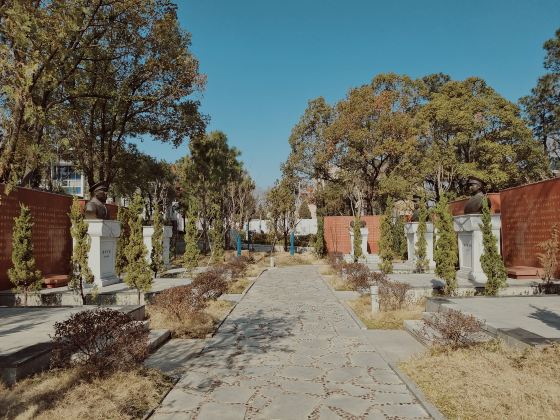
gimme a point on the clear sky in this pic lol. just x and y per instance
(264, 59)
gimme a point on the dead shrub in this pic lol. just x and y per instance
(359, 277)
(178, 301)
(237, 266)
(336, 262)
(210, 284)
(452, 328)
(392, 294)
(100, 341)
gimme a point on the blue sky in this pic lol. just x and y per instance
(265, 59)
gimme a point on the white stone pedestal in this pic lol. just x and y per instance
(469, 236)
(364, 232)
(411, 232)
(147, 232)
(103, 250)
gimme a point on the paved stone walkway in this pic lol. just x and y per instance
(289, 350)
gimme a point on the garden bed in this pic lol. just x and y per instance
(490, 381)
(197, 325)
(384, 320)
(65, 394)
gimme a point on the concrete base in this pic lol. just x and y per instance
(411, 232)
(103, 250)
(469, 235)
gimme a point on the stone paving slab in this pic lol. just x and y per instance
(289, 350)
(536, 314)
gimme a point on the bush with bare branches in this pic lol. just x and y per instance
(452, 328)
(393, 295)
(100, 341)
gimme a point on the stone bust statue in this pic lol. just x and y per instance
(95, 207)
(474, 204)
(416, 212)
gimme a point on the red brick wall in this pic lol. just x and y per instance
(458, 206)
(51, 231)
(528, 213)
(337, 236)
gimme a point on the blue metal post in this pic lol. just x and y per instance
(292, 248)
(238, 245)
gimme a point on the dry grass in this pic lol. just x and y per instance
(385, 320)
(490, 381)
(327, 270)
(284, 259)
(239, 286)
(64, 394)
(197, 325)
(338, 284)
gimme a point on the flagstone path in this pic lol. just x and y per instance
(289, 350)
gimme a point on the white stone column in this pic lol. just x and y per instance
(364, 232)
(167, 234)
(411, 232)
(148, 232)
(470, 244)
(103, 250)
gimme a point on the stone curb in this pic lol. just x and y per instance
(151, 411)
(354, 317)
(413, 388)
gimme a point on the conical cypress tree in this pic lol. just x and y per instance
(357, 239)
(24, 274)
(490, 260)
(123, 216)
(421, 244)
(386, 239)
(190, 258)
(81, 274)
(399, 238)
(320, 241)
(445, 253)
(138, 274)
(156, 257)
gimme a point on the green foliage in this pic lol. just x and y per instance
(81, 274)
(304, 212)
(138, 275)
(212, 176)
(386, 239)
(24, 274)
(421, 244)
(319, 244)
(542, 107)
(357, 238)
(123, 216)
(399, 238)
(156, 257)
(469, 129)
(190, 258)
(445, 253)
(490, 260)
(281, 208)
(217, 234)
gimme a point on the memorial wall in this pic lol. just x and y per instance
(51, 230)
(528, 214)
(337, 236)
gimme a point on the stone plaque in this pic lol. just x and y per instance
(466, 251)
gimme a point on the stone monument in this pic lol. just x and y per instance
(103, 234)
(469, 234)
(363, 232)
(148, 232)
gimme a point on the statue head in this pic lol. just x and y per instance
(99, 191)
(475, 185)
(416, 200)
